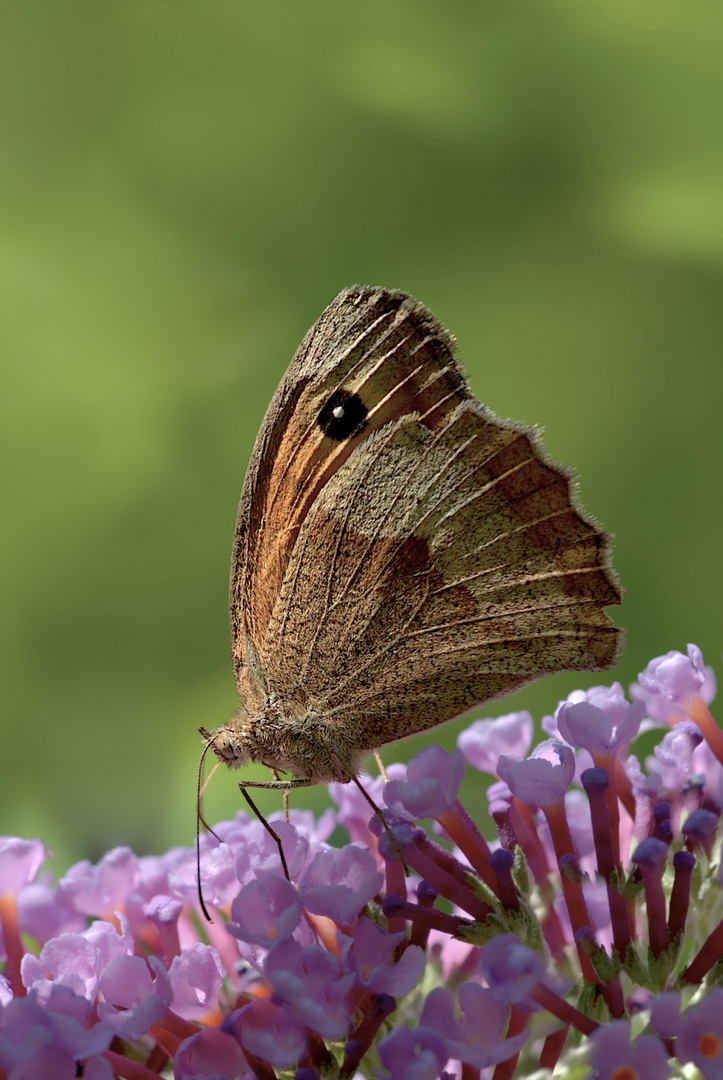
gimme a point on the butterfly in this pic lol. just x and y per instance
(401, 555)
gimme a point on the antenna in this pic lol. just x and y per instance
(201, 821)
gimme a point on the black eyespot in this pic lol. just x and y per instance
(343, 415)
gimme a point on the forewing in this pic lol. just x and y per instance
(374, 344)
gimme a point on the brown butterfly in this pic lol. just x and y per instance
(401, 554)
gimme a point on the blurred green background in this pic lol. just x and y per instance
(184, 186)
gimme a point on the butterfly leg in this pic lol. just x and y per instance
(285, 796)
(278, 785)
(380, 764)
(274, 785)
(377, 810)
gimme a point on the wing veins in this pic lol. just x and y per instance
(481, 492)
(405, 534)
(464, 647)
(515, 582)
(330, 575)
(476, 619)
(403, 634)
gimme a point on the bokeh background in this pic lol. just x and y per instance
(184, 185)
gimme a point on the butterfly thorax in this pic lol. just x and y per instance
(305, 746)
(278, 726)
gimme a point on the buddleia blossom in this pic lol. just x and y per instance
(586, 936)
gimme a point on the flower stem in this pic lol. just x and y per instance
(683, 862)
(462, 830)
(127, 1068)
(445, 874)
(572, 890)
(708, 955)
(13, 943)
(596, 784)
(563, 1010)
(396, 882)
(700, 714)
(421, 915)
(379, 1008)
(552, 1049)
(519, 1021)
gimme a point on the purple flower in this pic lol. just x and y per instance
(316, 830)
(700, 827)
(339, 882)
(369, 955)
(212, 1054)
(109, 940)
(650, 852)
(266, 910)
(164, 912)
(141, 1000)
(39, 1041)
(700, 1039)
(166, 875)
(586, 726)
(610, 699)
(452, 955)
(598, 906)
(647, 786)
(259, 855)
(268, 1031)
(478, 1039)
(499, 792)
(485, 741)
(309, 981)
(665, 1014)
(413, 1055)
(246, 852)
(196, 978)
(433, 779)
(76, 960)
(675, 751)
(147, 973)
(20, 861)
(611, 1051)
(539, 779)
(40, 914)
(669, 682)
(100, 890)
(511, 970)
(68, 960)
(644, 790)
(709, 769)
(354, 810)
(218, 874)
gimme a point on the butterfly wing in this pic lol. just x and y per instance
(374, 354)
(417, 556)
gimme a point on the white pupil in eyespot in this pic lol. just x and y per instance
(338, 412)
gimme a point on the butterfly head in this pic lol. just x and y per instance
(227, 745)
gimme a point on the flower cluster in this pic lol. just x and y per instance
(586, 938)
